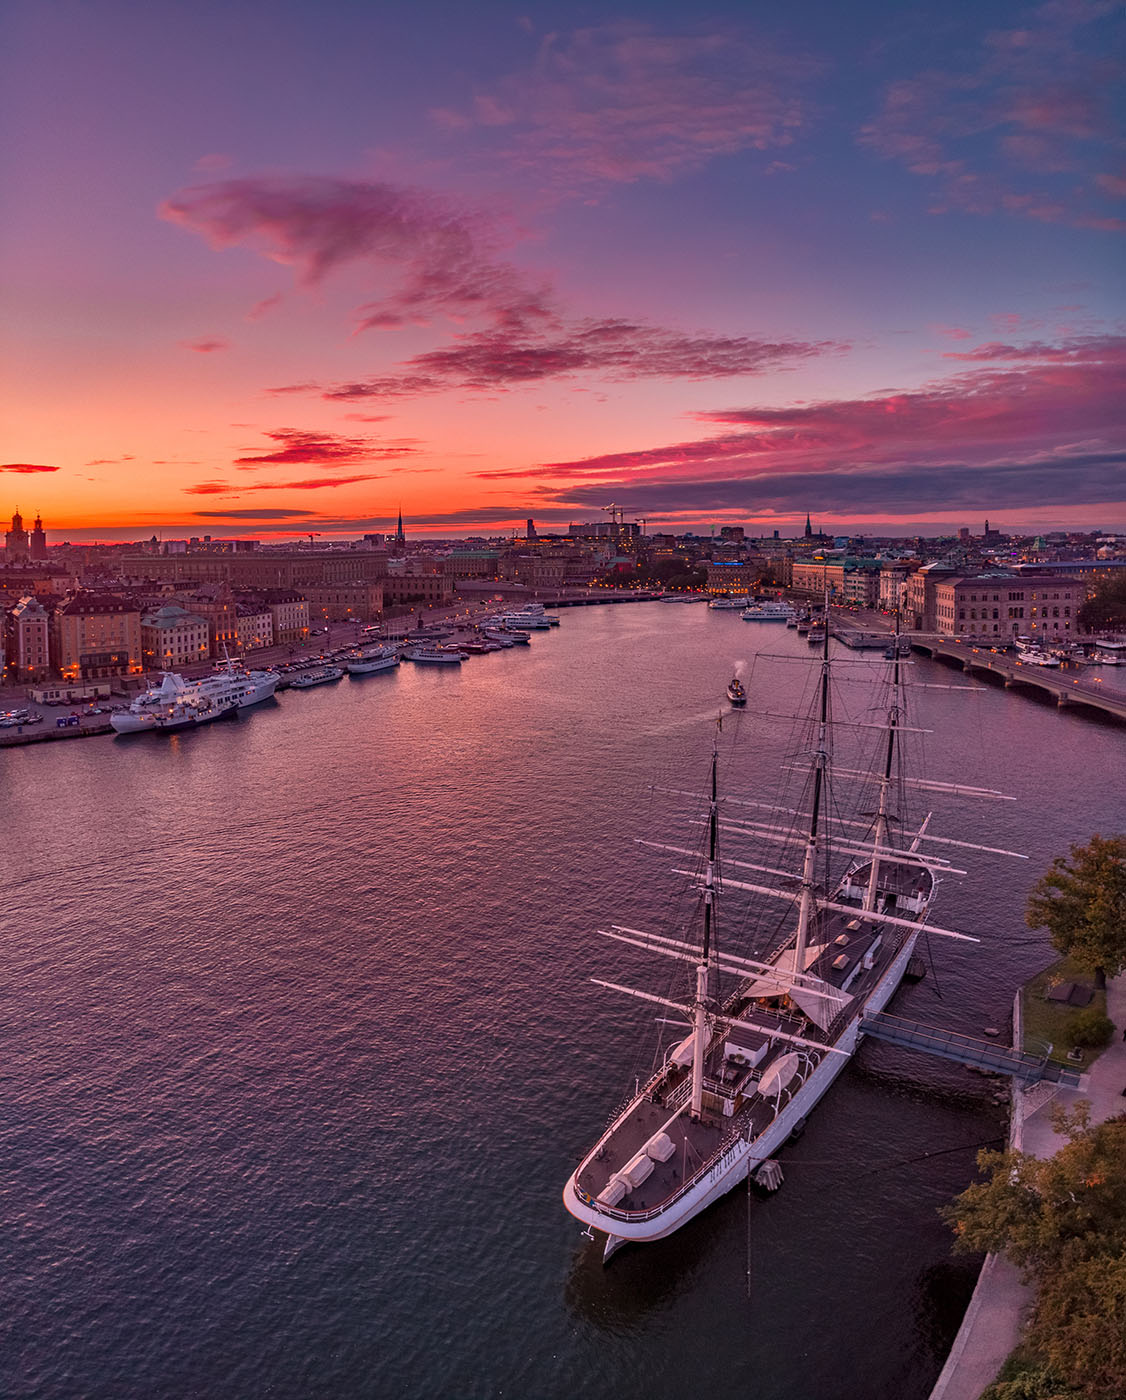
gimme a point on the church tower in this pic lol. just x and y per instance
(38, 539)
(808, 527)
(400, 537)
(16, 538)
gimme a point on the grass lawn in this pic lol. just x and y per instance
(1047, 1020)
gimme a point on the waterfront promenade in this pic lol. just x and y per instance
(995, 1317)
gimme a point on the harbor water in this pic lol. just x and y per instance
(298, 1044)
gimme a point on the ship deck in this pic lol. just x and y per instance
(849, 954)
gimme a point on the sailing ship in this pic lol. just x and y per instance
(766, 1038)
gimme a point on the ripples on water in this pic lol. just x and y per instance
(298, 1048)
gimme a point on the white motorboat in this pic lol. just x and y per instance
(174, 704)
(368, 663)
(727, 604)
(767, 611)
(323, 675)
(434, 656)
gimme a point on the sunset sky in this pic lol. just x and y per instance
(281, 267)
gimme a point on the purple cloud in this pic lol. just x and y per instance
(619, 102)
(615, 349)
(441, 257)
(324, 449)
(1023, 127)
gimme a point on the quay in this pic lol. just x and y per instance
(1063, 685)
(994, 1320)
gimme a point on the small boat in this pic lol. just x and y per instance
(1106, 658)
(435, 655)
(767, 611)
(816, 634)
(736, 692)
(728, 604)
(323, 675)
(368, 663)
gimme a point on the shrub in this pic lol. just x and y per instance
(1090, 1028)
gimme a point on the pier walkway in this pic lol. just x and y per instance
(995, 1317)
(967, 1050)
(1069, 688)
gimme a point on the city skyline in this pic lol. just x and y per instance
(529, 261)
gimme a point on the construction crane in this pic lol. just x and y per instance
(313, 534)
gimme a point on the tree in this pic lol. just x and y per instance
(1107, 606)
(1062, 1221)
(1083, 905)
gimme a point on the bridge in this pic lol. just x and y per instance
(966, 1050)
(1066, 687)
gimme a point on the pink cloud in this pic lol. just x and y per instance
(206, 347)
(25, 467)
(316, 449)
(1032, 104)
(442, 258)
(952, 332)
(214, 161)
(621, 102)
(1042, 409)
(259, 309)
(1082, 350)
(614, 349)
(218, 488)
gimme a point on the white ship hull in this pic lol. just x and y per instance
(741, 1157)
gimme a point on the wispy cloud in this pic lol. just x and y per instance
(614, 349)
(25, 467)
(294, 446)
(317, 483)
(207, 346)
(441, 257)
(1023, 127)
(1047, 429)
(621, 102)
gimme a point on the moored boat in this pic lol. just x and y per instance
(767, 1036)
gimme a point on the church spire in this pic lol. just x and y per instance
(808, 527)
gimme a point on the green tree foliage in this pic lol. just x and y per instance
(1090, 1028)
(1082, 904)
(1063, 1222)
(1107, 608)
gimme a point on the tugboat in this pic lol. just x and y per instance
(736, 692)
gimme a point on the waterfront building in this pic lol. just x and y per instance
(431, 589)
(731, 577)
(27, 640)
(289, 614)
(95, 636)
(172, 637)
(1000, 606)
(848, 578)
(259, 569)
(255, 626)
(345, 602)
(216, 604)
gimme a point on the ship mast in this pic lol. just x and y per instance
(700, 1015)
(885, 778)
(820, 764)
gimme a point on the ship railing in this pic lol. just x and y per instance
(638, 1216)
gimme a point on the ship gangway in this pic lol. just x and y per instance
(966, 1050)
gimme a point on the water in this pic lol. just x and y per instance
(298, 1047)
